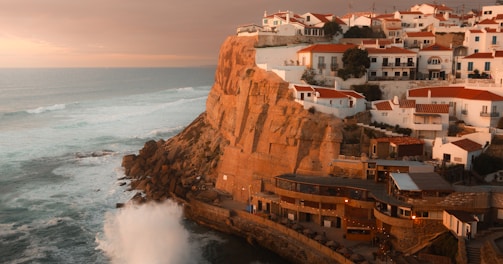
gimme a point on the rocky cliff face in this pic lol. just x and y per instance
(252, 130)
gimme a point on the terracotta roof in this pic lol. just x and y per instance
(352, 94)
(487, 22)
(476, 31)
(303, 88)
(467, 145)
(499, 16)
(480, 55)
(493, 30)
(327, 48)
(322, 17)
(440, 7)
(382, 16)
(383, 106)
(455, 92)
(498, 53)
(420, 34)
(339, 21)
(436, 47)
(407, 103)
(432, 108)
(410, 12)
(329, 93)
(388, 50)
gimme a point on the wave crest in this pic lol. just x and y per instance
(150, 233)
(43, 109)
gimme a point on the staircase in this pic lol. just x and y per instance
(472, 254)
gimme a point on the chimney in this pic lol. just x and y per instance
(265, 13)
(287, 16)
(395, 100)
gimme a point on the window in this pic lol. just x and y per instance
(397, 74)
(494, 40)
(487, 66)
(385, 74)
(477, 38)
(484, 109)
(405, 73)
(426, 41)
(321, 64)
(495, 109)
(447, 157)
(308, 18)
(265, 21)
(373, 73)
(420, 24)
(476, 51)
(470, 66)
(373, 59)
(458, 66)
(385, 61)
(435, 75)
(384, 113)
(333, 63)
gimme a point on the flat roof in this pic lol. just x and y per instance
(404, 182)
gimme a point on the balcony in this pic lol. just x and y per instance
(322, 65)
(434, 66)
(491, 114)
(334, 66)
(393, 221)
(399, 65)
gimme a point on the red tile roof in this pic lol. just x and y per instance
(303, 88)
(323, 18)
(440, 7)
(411, 12)
(436, 47)
(420, 34)
(432, 108)
(480, 55)
(467, 145)
(487, 22)
(383, 106)
(455, 92)
(407, 103)
(476, 31)
(379, 41)
(327, 48)
(388, 50)
(498, 53)
(329, 93)
(352, 94)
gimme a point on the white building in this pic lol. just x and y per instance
(490, 12)
(415, 40)
(480, 65)
(392, 63)
(434, 62)
(426, 120)
(459, 151)
(325, 59)
(483, 40)
(478, 108)
(463, 224)
(341, 103)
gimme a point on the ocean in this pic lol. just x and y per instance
(63, 133)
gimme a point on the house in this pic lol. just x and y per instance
(325, 59)
(426, 120)
(341, 103)
(491, 11)
(462, 223)
(314, 20)
(432, 9)
(476, 107)
(392, 29)
(392, 63)
(395, 147)
(412, 21)
(416, 40)
(434, 62)
(483, 40)
(460, 151)
(359, 19)
(478, 65)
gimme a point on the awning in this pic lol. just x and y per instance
(404, 182)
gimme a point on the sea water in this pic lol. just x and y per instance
(63, 133)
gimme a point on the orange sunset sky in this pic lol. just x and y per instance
(149, 33)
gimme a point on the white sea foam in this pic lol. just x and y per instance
(43, 109)
(150, 233)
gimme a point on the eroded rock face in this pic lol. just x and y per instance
(252, 130)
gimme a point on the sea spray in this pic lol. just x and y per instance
(149, 233)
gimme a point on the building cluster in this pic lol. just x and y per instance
(389, 189)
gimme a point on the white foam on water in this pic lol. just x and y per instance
(150, 233)
(43, 109)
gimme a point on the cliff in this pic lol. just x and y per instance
(252, 131)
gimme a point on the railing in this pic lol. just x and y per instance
(394, 65)
(334, 66)
(322, 65)
(394, 221)
(491, 114)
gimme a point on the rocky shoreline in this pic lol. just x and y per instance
(251, 129)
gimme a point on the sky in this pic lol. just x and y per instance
(147, 33)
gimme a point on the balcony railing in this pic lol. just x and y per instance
(334, 66)
(489, 114)
(322, 65)
(399, 65)
(434, 66)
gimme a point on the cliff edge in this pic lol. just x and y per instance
(252, 130)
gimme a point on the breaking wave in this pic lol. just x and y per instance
(43, 109)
